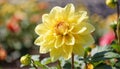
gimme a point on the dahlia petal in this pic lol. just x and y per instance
(84, 40)
(48, 20)
(48, 38)
(56, 53)
(64, 51)
(83, 28)
(67, 52)
(56, 14)
(45, 48)
(78, 17)
(78, 49)
(45, 18)
(90, 28)
(69, 10)
(82, 16)
(69, 40)
(41, 29)
(39, 40)
(59, 41)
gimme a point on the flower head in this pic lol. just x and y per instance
(63, 32)
(25, 60)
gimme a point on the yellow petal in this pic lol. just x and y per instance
(67, 52)
(39, 40)
(48, 43)
(64, 51)
(82, 16)
(78, 49)
(69, 10)
(59, 41)
(45, 48)
(69, 39)
(56, 14)
(78, 17)
(84, 40)
(83, 28)
(45, 18)
(56, 53)
(48, 20)
(89, 28)
(48, 38)
(41, 29)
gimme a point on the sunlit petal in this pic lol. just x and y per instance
(59, 41)
(41, 29)
(84, 40)
(69, 40)
(39, 40)
(78, 49)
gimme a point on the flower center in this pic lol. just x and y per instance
(61, 28)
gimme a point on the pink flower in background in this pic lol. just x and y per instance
(107, 38)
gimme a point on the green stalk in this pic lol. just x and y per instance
(72, 67)
(59, 64)
(118, 24)
(34, 64)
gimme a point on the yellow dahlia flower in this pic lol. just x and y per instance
(63, 32)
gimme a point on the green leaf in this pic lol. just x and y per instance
(103, 53)
(46, 61)
(117, 64)
(98, 57)
(111, 55)
(67, 66)
(101, 56)
(100, 49)
(38, 64)
(116, 47)
(103, 66)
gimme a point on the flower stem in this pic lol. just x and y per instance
(34, 64)
(118, 24)
(72, 61)
(59, 64)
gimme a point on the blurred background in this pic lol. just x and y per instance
(18, 19)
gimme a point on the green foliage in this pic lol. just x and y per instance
(67, 66)
(117, 64)
(103, 66)
(102, 54)
(116, 47)
(101, 58)
(46, 61)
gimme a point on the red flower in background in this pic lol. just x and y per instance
(107, 38)
(3, 54)
(13, 25)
